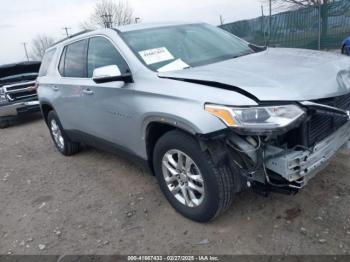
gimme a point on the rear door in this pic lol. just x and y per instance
(72, 68)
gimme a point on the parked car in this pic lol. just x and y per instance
(346, 46)
(18, 94)
(209, 113)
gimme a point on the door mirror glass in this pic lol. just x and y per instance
(108, 74)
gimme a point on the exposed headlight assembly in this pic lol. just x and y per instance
(257, 119)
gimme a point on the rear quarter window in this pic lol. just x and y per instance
(46, 62)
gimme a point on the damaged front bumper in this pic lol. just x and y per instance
(300, 165)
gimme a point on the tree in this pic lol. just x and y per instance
(39, 45)
(109, 13)
(290, 4)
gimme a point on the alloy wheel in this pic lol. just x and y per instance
(183, 178)
(57, 134)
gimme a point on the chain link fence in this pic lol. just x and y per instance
(314, 27)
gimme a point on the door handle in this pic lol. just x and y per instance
(88, 91)
(55, 88)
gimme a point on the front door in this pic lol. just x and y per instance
(106, 105)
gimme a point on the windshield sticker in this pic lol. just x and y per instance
(174, 66)
(157, 55)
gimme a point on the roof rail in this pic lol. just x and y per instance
(71, 36)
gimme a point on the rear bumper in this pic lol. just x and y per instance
(299, 166)
(15, 109)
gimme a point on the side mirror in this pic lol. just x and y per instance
(110, 73)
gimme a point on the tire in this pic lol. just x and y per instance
(343, 50)
(218, 185)
(63, 144)
(4, 124)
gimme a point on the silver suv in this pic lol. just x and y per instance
(208, 113)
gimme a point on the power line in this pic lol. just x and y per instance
(25, 50)
(66, 29)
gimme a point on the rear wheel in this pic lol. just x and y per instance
(189, 179)
(64, 145)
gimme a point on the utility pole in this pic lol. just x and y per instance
(320, 21)
(66, 30)
(221, 20)
(263, 24)
(319, 25)
(270, 22)
(107, 20)
(25, 50)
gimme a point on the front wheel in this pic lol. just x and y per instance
(189, 179)
(343, 50)
(4, 123)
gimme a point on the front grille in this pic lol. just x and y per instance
(17, 92)
(22, 95)
(321, 126)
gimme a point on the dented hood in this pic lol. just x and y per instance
(276, 74)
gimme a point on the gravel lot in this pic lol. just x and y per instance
(98, 203)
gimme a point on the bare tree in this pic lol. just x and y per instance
(39, 45)
(292, 4)
(109, 13)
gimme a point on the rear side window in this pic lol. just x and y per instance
(73, 60)
(46, 62)
(102, 53)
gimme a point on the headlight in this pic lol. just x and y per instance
(257, 118)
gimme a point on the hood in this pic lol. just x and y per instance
(19, 68)
(276, 74)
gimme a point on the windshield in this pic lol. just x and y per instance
(180, 47)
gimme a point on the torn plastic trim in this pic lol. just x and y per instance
(325, 109)
(245, 159)
(295, 165)
(248, 159)
(214, 84)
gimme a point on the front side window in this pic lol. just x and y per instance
(73, 60)
(179, 47)
(101, 53)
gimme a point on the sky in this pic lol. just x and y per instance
(22, 20)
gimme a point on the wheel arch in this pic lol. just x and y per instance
(45, 109)
(155, 127)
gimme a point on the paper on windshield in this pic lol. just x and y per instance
(173, 66)
(156, 55)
